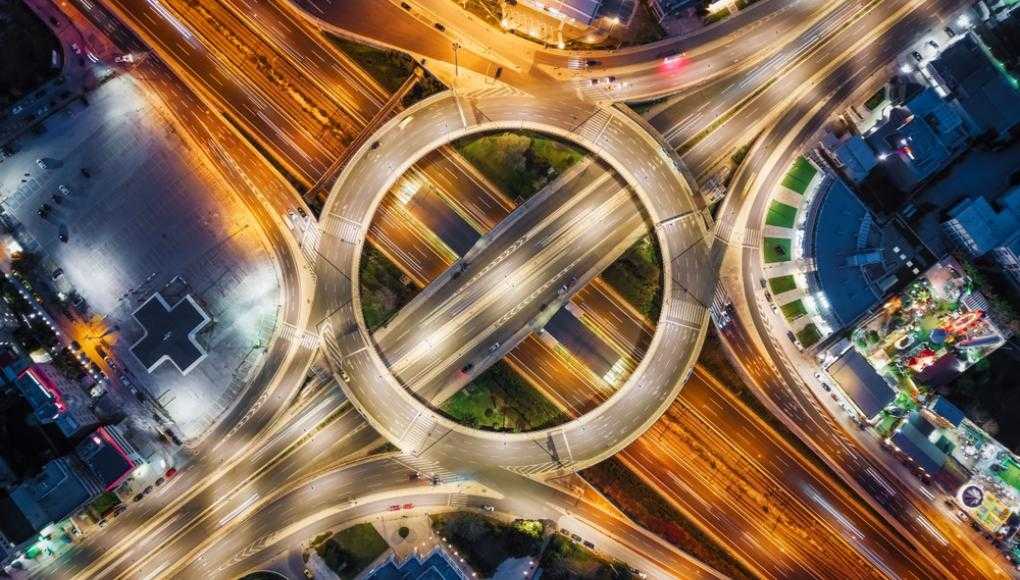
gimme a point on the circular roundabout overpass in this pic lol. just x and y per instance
(624, 142)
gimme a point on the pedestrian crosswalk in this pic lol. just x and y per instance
(305, 339)
(341, 227)
(429, 469)
(593, 127)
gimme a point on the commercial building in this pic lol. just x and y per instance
(63, 488)
(557, 21)
(849, 153)
(974, 79)
(663, 9)
(108, 456)
(859, 381)
(918, 137)
(57, 400)
(979, 229)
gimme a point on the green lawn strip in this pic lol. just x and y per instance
(792, 183)
(776, 250)
(349, 551)
(809, 335)
(500, 400)
(875, 100)
(802, 170)
(781, 284)
(383, 288)
(519, 163)
(716, 16)
(103, 504)
(651, 511)
(793, 310)
(781, 215)
(389, 68)
(485, 542)
(564, 559)
(1010, 474)
(637, 276)
(885, 425)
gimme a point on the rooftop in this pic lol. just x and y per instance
(54, 494)
(843, 230)
(104, 453)
(435, 567)
(861, 383)
(170, 333)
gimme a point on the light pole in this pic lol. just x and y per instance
(456, 63)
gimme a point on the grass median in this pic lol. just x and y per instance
(349, 551)
(500, 400)
(520, 163)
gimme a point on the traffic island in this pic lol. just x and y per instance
(649, 510)
(384, 288)
(563, 559)
(351, 550)
(389, 68)
(520, 163)
(500, 400)
(637, 276)
(485, 543)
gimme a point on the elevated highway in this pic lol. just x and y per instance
(641, 161)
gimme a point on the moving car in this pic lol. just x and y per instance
(671, 56)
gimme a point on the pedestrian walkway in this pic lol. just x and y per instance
(784, 262)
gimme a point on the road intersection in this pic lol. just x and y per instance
(645, 163)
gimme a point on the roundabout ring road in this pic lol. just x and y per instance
(626, 143)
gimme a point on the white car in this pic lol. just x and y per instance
(17, 110)
(76, 48)
(63, 189)
(40, 163)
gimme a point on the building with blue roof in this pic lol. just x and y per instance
(54, 399)
(978, 228)
(947, 411)
(663, 9)
(983, 89)
(918, 137)
(855, 258)
(63, 487)
(914, 437)
(861, 383)
(436, 566)
(108, 456)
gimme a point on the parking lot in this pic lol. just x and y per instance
(126, 209)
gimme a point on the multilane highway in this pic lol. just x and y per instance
(810, 67)
(639, 159)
